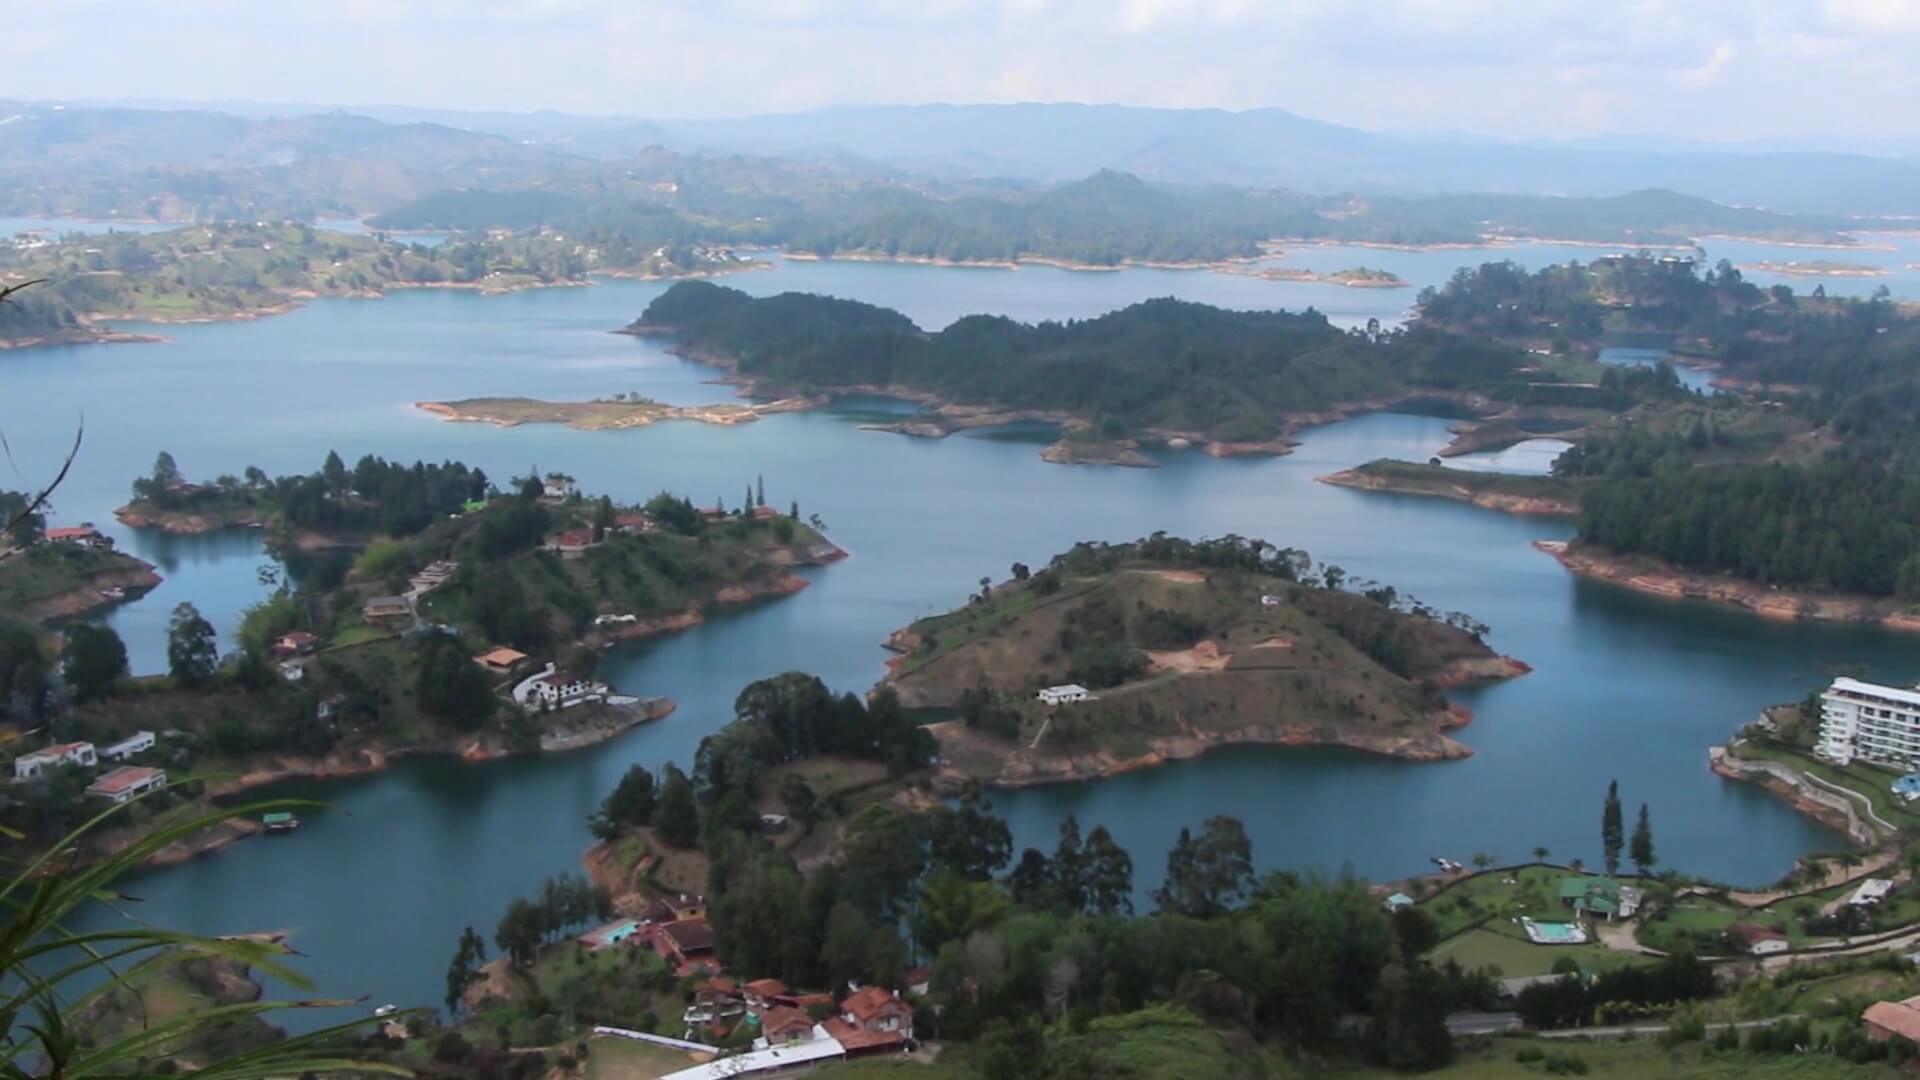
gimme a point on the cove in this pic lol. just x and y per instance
(375, 888)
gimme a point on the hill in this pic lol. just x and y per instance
(1161, 370)
(1186, 646)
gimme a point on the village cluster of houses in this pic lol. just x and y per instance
(792, 1027)
(117, 785)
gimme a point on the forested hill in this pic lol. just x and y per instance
(1162, 364)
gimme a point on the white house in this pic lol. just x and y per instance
(135, 743)
(1270, 600)
(565, 688)
(1062, 695)
(1759, 940)
(127, 782)
(27, 766)
(1871, 892)
(557, 486)
(1866, 720)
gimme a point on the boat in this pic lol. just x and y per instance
(114, 592)
(279, 823)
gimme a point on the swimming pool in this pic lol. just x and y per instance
(1554, 933)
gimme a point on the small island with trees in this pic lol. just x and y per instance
(1122, 656)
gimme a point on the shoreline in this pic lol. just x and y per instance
(85, 598)
(1826, 808)
(1654, 577)
(1500, 501)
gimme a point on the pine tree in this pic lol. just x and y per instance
(676, 818)
(1642, 847)
(1612, 830)
(760, 491)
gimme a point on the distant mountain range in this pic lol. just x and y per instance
(381, 156)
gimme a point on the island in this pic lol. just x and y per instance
(1357, 277)
(1120, 657)
(602, 414)
(1244, 383)
(425, 611)
(1817, 268)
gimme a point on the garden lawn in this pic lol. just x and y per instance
(1515, 956)
(631, 1059)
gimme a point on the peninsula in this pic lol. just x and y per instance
(1121, 657)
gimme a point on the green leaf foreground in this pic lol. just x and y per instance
(41, 958)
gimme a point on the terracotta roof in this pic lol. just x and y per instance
(873, 1001)
(767, 988)
(1898, 1017)
(692, 935)
(502, 656)
(72, 532)
(856, 1038)
(122, 779)
(65, 748)
(782, 1019)
(722, 986)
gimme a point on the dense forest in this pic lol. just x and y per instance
(376, 495)
(1162, 364)
(1836, 526)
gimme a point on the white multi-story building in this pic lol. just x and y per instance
(1865, 720)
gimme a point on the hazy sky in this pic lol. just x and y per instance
(1716, 68)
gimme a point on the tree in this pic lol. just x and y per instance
(632, 802)
(1031, 879)
(802, 803)
(192, 655)
(25, 523)
(463, 970)
(166, 473)
(449, 685)
(1612, 831)
(1642, 847)
(1021, 572)
(93, 660)
(1068, 868)
(1540, 853)
(1107, 874)
(794, 511)
(334, 472)
(1210, 874)
(677, 818)
(1482, 860)
(759, 490)
(520, 932)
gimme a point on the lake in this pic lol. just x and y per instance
(375, 888)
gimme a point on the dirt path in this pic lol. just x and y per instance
(1620, 938)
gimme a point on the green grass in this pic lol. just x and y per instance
(1640, 1059)
(630, 1059)
(358, 634)
(1515, 956)
(1871, 782)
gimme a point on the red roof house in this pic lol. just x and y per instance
(872, 1019)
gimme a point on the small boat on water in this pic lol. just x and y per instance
(280, 823)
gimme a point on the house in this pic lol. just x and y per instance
(1270, 600)
(686, 906)
(127, 782)
(380, 608)
(297, 643)
(329, 707)
(1871, 892)
(635, 523)
(773, 822)
(500, 661)
(293, 670)
(1893, 1019)
(572, 542)
(872, 1019)
(1062, 695)
(1758, 940)
(615, 620)
(557, 486)
(918, 980)
(766, 513)
(784, 1025)
(1599, 896)
(1397, 901)
(684, 943)
(767, 993)
(85, 536)
(138, 742)
(27, 766)
(433, 575)
(713, 513)
(564, 688)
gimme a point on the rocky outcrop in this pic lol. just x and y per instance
(1075, 452)
(1486, 498)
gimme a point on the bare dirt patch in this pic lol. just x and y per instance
(1183, 577)
(1204, 656)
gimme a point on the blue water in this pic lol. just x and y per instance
(376, 887)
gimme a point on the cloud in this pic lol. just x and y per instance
(1717, 68)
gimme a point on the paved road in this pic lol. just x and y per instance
(1639, 1031)
(1483, 1023)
